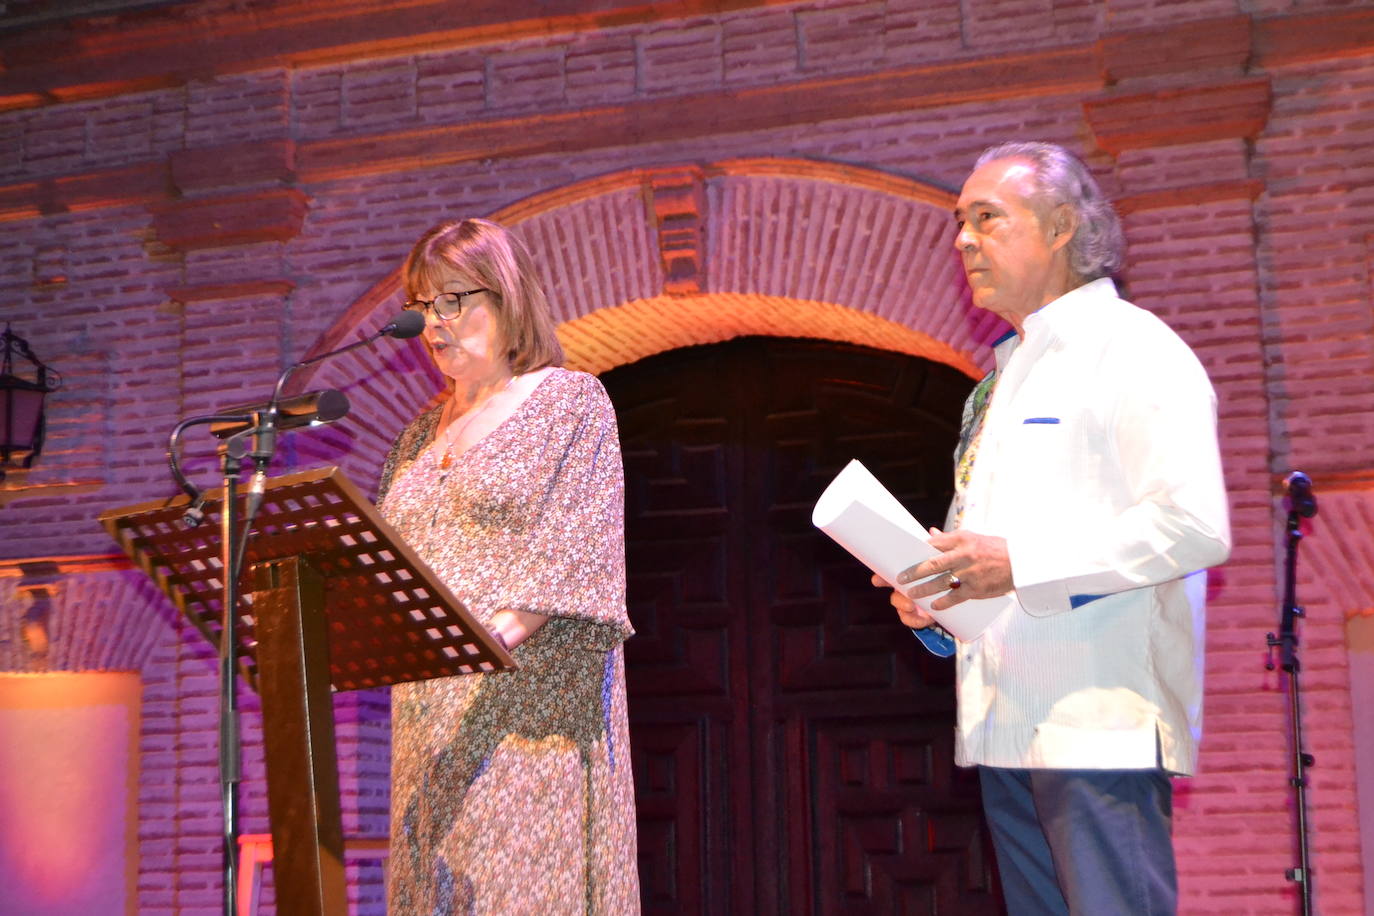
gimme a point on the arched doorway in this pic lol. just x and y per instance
(791, 743)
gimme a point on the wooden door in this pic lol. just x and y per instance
(792, 743)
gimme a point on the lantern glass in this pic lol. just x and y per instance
(21, 412)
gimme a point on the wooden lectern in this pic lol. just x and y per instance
(332, 596)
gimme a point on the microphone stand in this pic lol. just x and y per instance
(230, 756)
(232, 452)
(1287, 644)
(261, 425)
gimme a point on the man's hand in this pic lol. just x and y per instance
(978, 562)
(910, 614)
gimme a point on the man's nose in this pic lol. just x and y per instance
(965, 241)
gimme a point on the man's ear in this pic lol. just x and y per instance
(1063, 224)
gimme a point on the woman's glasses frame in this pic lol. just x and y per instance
(447, 306)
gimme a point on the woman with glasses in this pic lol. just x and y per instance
(511, 792)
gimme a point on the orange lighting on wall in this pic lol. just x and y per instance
(69, 748)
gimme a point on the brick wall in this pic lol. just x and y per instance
(185, 208)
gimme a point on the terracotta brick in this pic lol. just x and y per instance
(525, 78)
(233, 164)
(1174, 116)
(1183, 47)
(235, 220)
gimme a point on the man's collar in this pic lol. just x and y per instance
(1102, 287)
(1004, 346)
(1043, 319)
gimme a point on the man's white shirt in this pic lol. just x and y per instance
(1099, 465)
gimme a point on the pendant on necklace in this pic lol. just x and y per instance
(446, 461)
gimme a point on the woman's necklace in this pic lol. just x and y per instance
(446, 461)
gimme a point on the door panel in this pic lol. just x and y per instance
(792, 743)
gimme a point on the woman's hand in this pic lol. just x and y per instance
(514, 627)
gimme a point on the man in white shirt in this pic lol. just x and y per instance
(1088, 483)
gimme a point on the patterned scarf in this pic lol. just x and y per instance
(975, 409)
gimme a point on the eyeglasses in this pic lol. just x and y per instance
(446, 305)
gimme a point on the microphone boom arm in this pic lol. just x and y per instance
(407, 324)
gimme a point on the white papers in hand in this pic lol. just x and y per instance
(865, 519)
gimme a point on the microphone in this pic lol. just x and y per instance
(314, 408)
(1300, 497)
(405, 325)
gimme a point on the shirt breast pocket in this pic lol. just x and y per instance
(1032, 470)
(1041, 446)
(1059, 451)
(1043, 430)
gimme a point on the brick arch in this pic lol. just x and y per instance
(119, 639)
(698, 254)
(648, 260)
(620, 334)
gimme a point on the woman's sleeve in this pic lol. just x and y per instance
(573, 564)
(407, 445)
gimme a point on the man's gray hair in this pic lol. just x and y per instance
(1098, 246)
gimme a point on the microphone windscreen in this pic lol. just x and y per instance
(330, 405)
(309, 409)
(1300, 497)
(406, 324)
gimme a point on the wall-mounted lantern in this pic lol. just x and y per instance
(22, 422)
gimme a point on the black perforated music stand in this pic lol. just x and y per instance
(332, 596)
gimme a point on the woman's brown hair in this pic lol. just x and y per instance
(496, 258)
